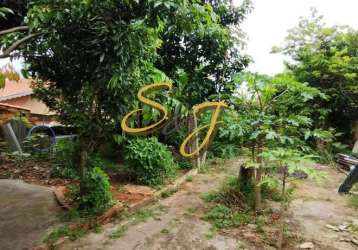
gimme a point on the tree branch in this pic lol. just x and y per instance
(13, 47)
(15, 29)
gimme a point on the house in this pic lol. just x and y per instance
(17, 97)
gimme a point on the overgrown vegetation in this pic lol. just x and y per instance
(96, 195)
(89, 58)
(149, 160)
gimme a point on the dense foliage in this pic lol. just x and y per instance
(326, 58)
(149, 160)
(95, 194)
(203, 59)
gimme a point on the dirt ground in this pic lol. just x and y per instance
(27, 213)
(179, 224)
(30, 171)
(317, 207)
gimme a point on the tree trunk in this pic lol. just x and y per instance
(83, 163)
(258, 177)
(245, 176)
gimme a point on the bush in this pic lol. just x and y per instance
(96, 194)
(149, 160)
(66, 159)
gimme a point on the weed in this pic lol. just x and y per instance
(191, 210)
(189, 178)
(72, 233)
(70, 216)
(354, 229)
(142, 215)
(119, 232)
(208, 197)
(97, 228)
(353, 201)
(169, 192)
(260, 222)
(164, 231)
(212, 232)
(224, 217)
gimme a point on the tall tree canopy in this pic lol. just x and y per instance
(203, 60)
(90, 57)
(327, 58)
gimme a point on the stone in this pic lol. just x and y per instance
(332, 227)
(306, 245)
(343, 227)
(354, 241)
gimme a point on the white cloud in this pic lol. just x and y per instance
(267, 25)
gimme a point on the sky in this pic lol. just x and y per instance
(268, 23)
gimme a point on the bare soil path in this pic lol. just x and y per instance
(27, 212)
(317, 205)
(178, 223)
(175, 227)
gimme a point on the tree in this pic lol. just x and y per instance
(274, 112)
(326, 58)
(202, 58)
(91, 57)
(18, 12)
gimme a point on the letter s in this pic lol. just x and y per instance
(153, 127)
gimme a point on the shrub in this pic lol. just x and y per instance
(66, 159)
(149, 160)
(96, 196)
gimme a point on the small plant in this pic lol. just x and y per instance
(287, 161)
(189, 178)
(142, 215)
(96, 196)
(224, 217)
(184, 164)
(164, 231)
(66, 159)
(72, 233)
(353, 201)
(149, 160)
(169, 192)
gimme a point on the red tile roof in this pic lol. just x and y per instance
(14, 89)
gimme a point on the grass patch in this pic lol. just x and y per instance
(212, 232)
(164, 231)
(352, 201)
(72, 234)
(142, 215)
(119, 232)
(224, 217)
(232, 205)
(189, 178)
(169, 192)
